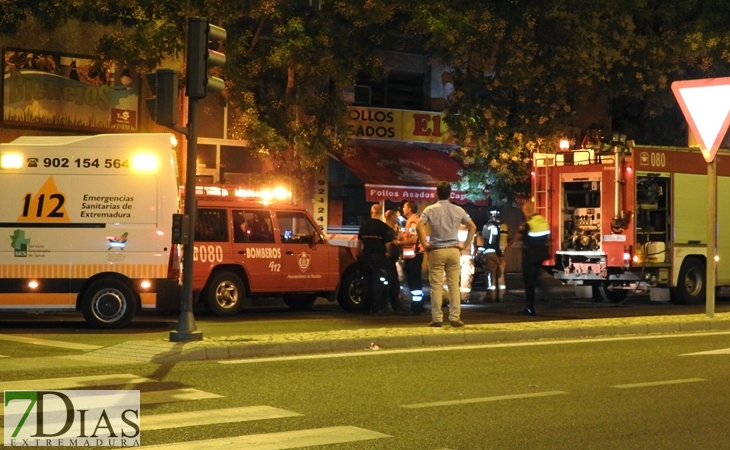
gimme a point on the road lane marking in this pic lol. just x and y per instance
(49, 342)
(120, 379)
(658, 383)
(279, 441)
(462, 347)
(212, 416)
(482, 399)
(723, 351)
(174, 395)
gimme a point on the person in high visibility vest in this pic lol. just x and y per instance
(535, 236)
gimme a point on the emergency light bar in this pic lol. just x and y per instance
(264, 195)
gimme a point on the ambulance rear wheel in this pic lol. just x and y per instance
(691, 285)
(225, 294)
(606, 295)
(108, 304)
(350, 296)
(300, 302)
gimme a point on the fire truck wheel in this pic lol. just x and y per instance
(606, 295)
(350, 294)
(691, 284)
(300, 302)
(108, 304)
(224, 294)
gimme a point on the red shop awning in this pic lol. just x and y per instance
(398, 174)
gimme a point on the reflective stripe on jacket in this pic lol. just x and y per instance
(538, 232)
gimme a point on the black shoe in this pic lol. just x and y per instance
(435, 324)
(528, 312)
(457, 323)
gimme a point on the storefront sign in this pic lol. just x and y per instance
(398, 125)
(376, 193)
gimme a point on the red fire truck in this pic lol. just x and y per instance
(250, 243)
(632, 218)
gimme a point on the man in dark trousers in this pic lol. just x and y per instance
(374, 241)
(391, 219)
(535, 236)
(412, 255)
(492, 237)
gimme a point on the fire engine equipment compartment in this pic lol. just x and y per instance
(582, 214)
(633, 219)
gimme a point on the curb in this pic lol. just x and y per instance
(282, 345)
(213, 351)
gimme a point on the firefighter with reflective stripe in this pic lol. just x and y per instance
(535, 236)
(412, 257)
(492, 234)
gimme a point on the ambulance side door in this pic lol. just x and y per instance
(255, 248)
(305, 266)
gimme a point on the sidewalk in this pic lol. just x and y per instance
(272, 345)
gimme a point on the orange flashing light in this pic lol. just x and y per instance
(264, 195)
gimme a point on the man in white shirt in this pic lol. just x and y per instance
(444, 252)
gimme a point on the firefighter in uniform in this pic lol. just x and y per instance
(374, 241)
(412, 257)
(494, 235)
(535, 236)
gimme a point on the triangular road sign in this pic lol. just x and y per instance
(705, 104)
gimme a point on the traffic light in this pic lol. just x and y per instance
(163, 106)
(201, 58)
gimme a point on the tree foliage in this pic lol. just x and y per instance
(523, 69)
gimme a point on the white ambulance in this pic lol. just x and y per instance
(87, 223)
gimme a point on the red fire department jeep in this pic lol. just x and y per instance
(248, 246)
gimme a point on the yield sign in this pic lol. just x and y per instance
(706, 107)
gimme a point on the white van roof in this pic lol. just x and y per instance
(91, 140)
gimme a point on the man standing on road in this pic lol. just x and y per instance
(444, 252)
(535, 236)
(412, 255)
(391, 219)
(491, 234)
(374, 241)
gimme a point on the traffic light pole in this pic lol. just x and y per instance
(186, 327)
(198, 84)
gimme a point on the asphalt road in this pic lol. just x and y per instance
(641, 392)
(272, 316)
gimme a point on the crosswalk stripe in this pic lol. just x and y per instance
(48, 342)
(722, 351)
(658, 383)
(120, 379)
(212, 416)
(174, 395)
(482, 399)
(279, 441)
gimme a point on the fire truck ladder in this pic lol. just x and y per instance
(541, 183)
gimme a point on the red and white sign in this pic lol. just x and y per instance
(705, 104)
(376, 193)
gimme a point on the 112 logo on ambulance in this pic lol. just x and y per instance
(46, 205)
